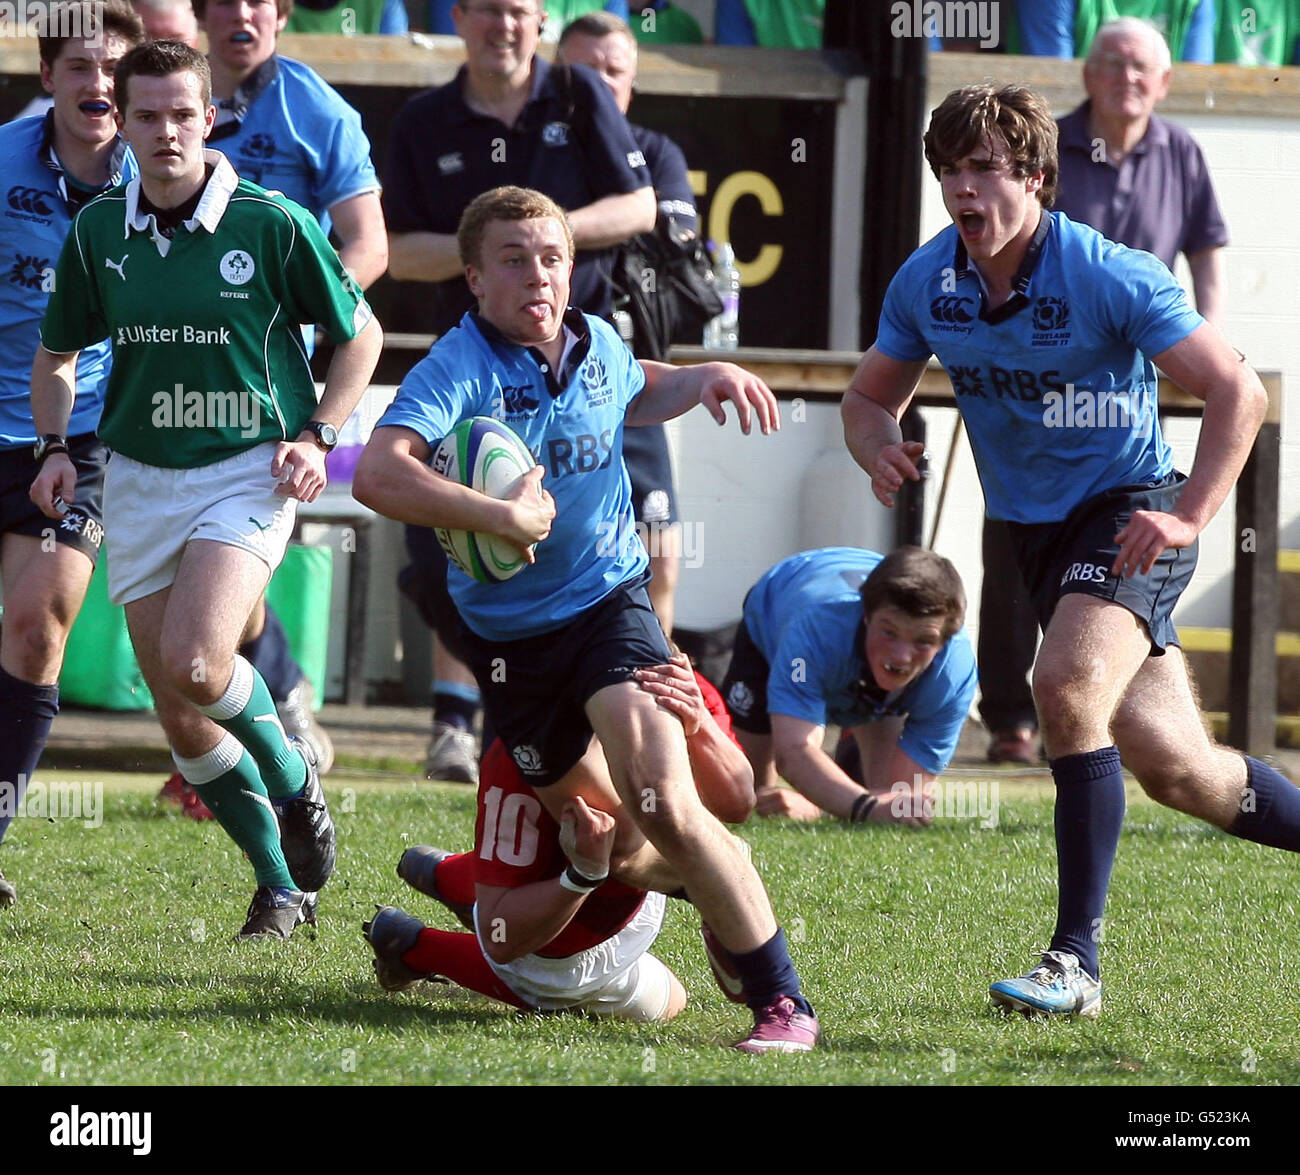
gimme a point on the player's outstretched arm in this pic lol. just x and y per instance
(300, 463)
(520, 921)
(906, 791)
(1208, 367)
(877, 397)
(53, 390)
(423, 257)
(723, 776)
(669, 391)
(801, 762)
(393, 478)
(611, 220)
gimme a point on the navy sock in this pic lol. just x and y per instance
(270, 655)
(1270, 811)
(767, 973)
(1089, 816)
(26, 711)
(455, 704)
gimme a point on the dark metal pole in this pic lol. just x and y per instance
(891, 196)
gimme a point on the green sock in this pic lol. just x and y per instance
(247, 711)
(228, 781)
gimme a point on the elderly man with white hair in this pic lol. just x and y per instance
(1131, 175)
(1143, 182)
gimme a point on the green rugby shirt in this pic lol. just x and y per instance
(208, 358)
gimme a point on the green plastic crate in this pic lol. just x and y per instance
(100, 669)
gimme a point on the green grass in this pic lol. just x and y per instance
(118, 966)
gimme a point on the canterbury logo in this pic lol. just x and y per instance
(950, 309)
(117, 265)
(30, 200)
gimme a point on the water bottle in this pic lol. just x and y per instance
(723, 333)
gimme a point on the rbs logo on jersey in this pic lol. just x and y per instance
(581, 454)
(1001, 383)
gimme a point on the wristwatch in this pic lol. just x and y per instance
(49, 444)
(327, 436)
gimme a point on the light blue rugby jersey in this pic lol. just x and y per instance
(298, 136)
(34, 221)
(1060, 398)
(577, 435)
(805, 616)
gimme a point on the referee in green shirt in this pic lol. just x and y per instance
(200, 281)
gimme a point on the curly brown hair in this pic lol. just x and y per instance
(970, 117)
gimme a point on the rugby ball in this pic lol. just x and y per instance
(485, 455)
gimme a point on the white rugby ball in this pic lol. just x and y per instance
(485, 455)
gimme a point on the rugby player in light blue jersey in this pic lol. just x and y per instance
(557, 648)
(1051, 335)
(52, 164)
(283, 127)
(872, 643)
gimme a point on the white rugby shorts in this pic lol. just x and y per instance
(157, 511)
(618, 977)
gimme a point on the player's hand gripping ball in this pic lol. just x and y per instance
(487, 456)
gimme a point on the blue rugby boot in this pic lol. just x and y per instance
(1057, 986)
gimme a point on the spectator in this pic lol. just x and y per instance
(660, 22)
(1066, 28)
(507, 117)
(1258, 32)
(349, 18)
(1143, 182)
(53, 165)
(773, 24)
(169, 20)
(607, 45)
(558, 13)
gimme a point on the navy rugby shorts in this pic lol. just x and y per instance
(1075, 557)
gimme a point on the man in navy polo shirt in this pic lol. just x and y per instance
(507, 118)
(1143, 182)
(604, 42)
(556, 649)
(52, 164)
(1052, 358)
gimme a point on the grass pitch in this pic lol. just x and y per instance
(118, 966)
